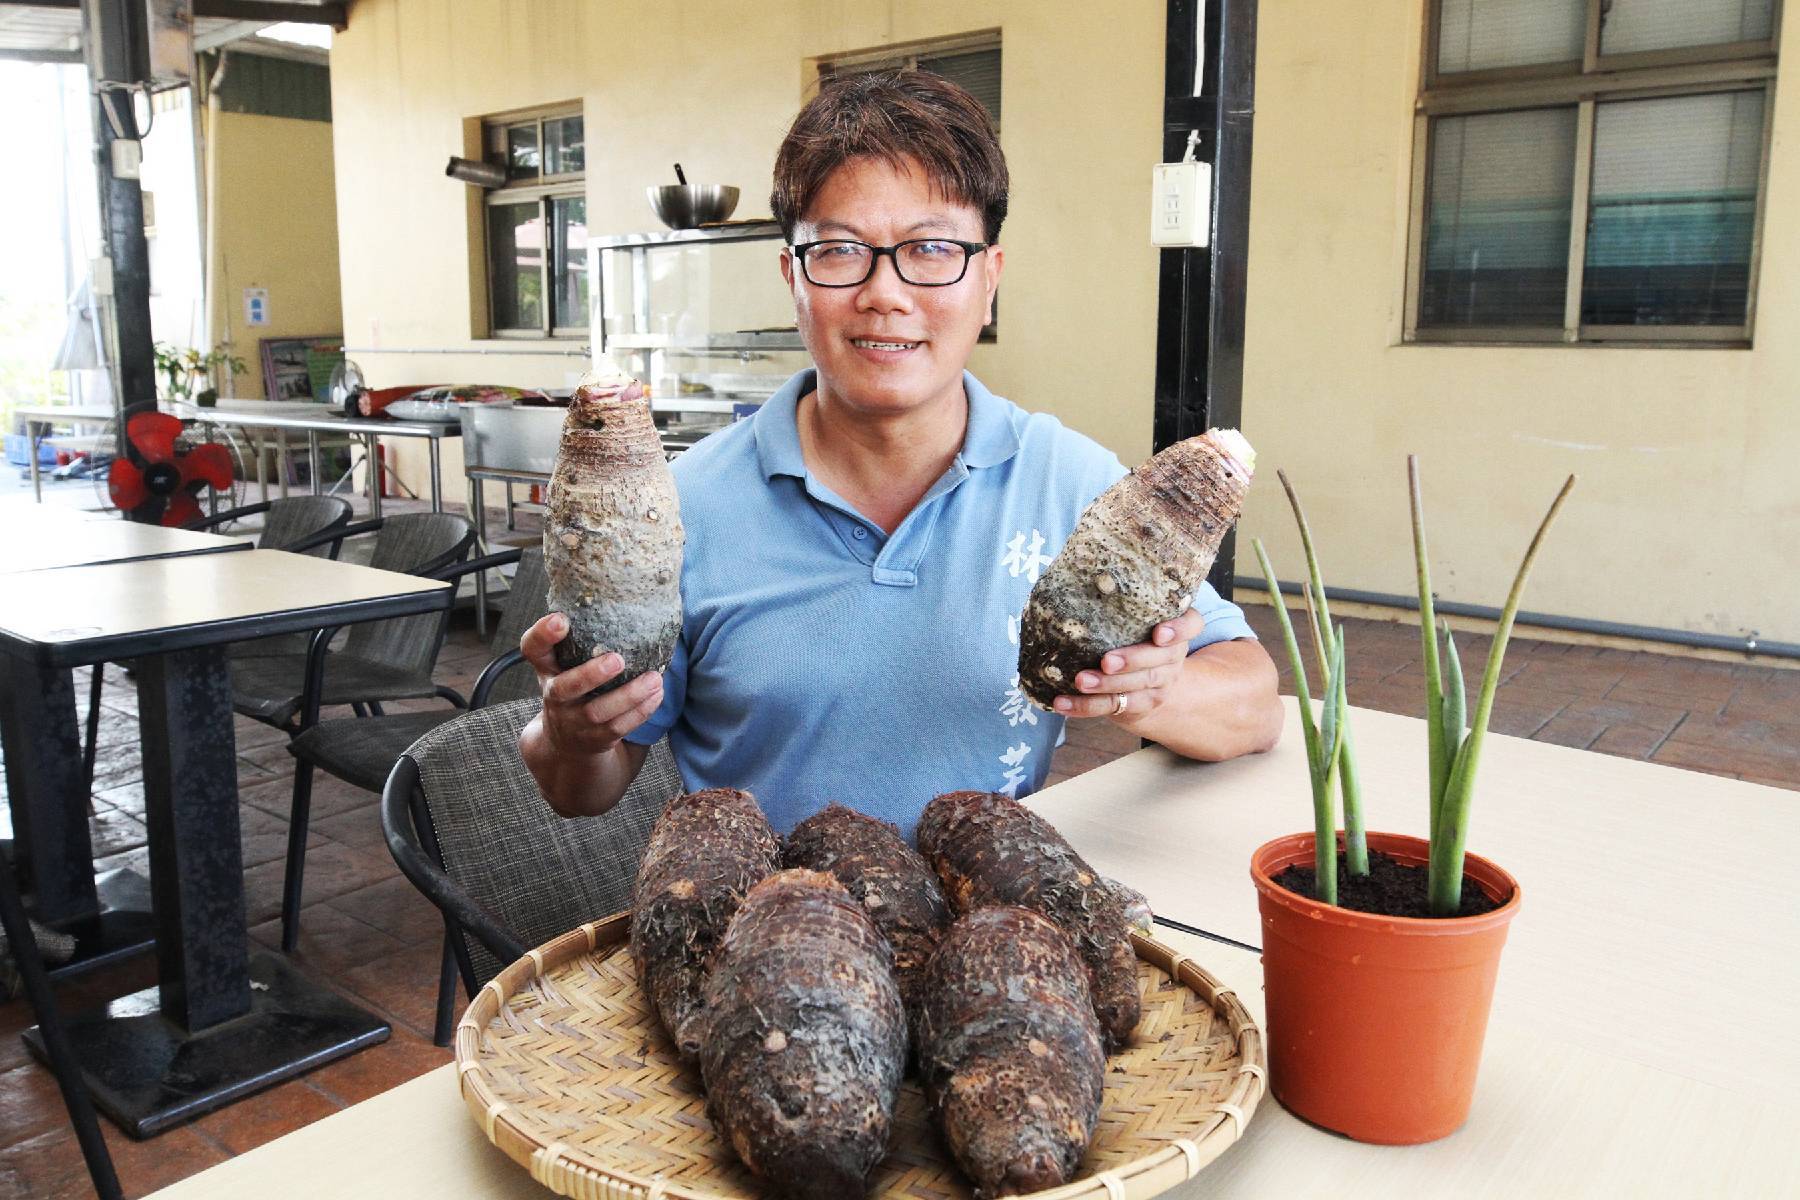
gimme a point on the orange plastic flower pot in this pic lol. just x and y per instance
(1375, 1023)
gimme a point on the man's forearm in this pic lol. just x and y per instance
(1224, 704)
(578, 785)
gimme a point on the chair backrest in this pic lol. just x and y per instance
(410, 543)
(526, 602)
(539, 873)
(294, 517)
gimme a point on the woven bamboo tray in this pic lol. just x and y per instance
(565, 1068)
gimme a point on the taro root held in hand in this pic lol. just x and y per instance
(612, 536)
(806, 1037)
(890, 879)
(1009, 1050)
(1137, 556)
(990, 849)
(706, 851)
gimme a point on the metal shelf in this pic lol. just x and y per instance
(779, 339)
(739, 231)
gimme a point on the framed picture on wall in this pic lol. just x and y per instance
(299, 368)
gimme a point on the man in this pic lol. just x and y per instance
(858, 553)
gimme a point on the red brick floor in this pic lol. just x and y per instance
(369, 934)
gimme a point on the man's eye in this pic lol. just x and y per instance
(934, 249)
(839, 250)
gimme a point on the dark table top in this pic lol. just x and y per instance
(89, 614)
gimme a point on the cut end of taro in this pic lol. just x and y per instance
(1235, 446)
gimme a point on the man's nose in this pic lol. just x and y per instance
(884, 290)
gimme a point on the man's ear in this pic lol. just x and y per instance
(996, 260)
(787, 267)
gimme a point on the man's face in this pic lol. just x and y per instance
(887, 346)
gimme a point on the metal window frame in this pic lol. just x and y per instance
(540, 190)
(1584, 84)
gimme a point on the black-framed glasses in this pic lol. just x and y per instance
(922, 262)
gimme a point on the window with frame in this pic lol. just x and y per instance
(536, 225)
(1590, 170)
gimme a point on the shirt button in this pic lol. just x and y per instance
(859, 533)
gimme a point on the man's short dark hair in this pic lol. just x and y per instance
(893, 116)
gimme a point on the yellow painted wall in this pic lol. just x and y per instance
(273, 207)
(1687, 514)
(714, 86)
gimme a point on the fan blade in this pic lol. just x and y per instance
(125, 484)
(208, 463)
(153, 435)
(182, 509)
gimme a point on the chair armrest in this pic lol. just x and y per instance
(405, 841)
(313, 687)
(490, 675)
(335, 535)
(229, 515)
(486, 562)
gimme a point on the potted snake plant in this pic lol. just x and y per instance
(1380, 950)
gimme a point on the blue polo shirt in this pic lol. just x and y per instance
(823, 660)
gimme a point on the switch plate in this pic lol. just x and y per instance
(1181, 205)
(127, 158)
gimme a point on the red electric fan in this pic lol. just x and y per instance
(163, 471)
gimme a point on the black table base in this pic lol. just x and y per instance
(148, 1074)
(123, 927)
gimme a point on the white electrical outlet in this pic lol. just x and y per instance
(1181, 205)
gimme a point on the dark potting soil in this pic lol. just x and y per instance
(1390, 889)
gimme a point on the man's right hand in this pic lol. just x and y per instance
(574, 747)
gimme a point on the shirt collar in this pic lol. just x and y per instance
(989, 440)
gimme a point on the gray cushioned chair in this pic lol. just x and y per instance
(465, 822)
(390, 659)
(362, 750)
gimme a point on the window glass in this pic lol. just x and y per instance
(568, 220)
(564, 152)
(1479, 35)
(1627, 26)
(1497, 220)
(515, 255)
(1674, 210)
(978, 71)
(522, 151)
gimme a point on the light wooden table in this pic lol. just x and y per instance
(221, 1022)
(1649, 905)
(1551, 1118)
(44, 544)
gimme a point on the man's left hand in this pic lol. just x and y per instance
(1132, 681)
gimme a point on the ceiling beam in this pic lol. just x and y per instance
(42, 56)
(334, 15)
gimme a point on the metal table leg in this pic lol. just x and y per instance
(221, 1023)
(437, 473)
(478, 510)
(47, 780)
(312, 455)
(34, 439)
(281, 454)
(376, 482)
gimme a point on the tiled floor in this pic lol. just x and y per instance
(369, 934)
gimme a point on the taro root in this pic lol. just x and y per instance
(1136, 558)
(1009, 1050)
(612, 535)
(706, 851)
(890, 879)
(990, 849)
(806, 1037)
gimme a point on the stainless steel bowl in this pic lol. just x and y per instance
(686, 205)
